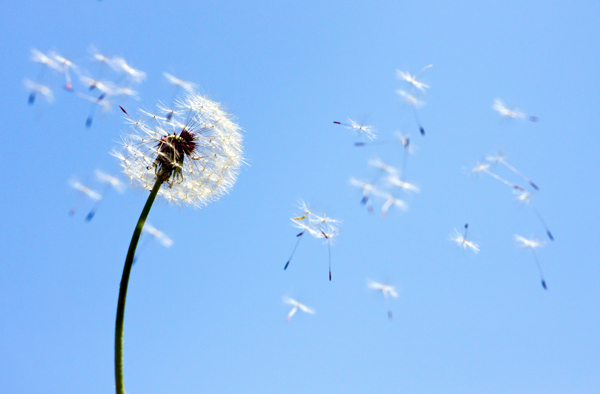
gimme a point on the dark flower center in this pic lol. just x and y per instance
(172, 150)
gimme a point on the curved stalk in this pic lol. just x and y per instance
(123, 288)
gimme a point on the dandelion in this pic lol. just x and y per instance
(37, 87)
(386, 290)
(525, 198)
(532, 244)
(296, 305)
(485, 168)
(499, 158)
(190, 161)
(513, 113)
(461, 240)
(359, 129)
(317, 226)
(412, 79)
(415, 104)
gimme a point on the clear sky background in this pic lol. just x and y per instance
(206, 315)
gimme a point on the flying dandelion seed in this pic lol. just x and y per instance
(359, 129)
(485, 168)
(513, 113)
(179, 84)
(461, 240)
(111, 182)
(154, 234)
(415, 104)
(408, 187)
(120, 65)
(317, 226)
(66, 65)
(367, 188)
(499, 158)
(390, 201)
(387, 291)
(102, 60)
(35, 88)
(191, 160)
(532, 244)
(412, 79)
(84, 191)
(296, 305)
(525, 198)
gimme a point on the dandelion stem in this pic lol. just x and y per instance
(123, 288)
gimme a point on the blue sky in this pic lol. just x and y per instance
(206, 315)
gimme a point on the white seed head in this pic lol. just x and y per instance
(197, 153)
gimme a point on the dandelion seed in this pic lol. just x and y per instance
(187, 86)
(412, 79)
(499, 158)
(461, 240)
(35, 88)
(390, 201)
(367, 188)
(359, 129)
(409, 187)
(111, 182)
(378, 163)
(484, 167)
(120, 65)
(514, 113)
(158, 235)
(532, 244)
(188, 161)
(525, 198)
(415, 104)
(317, 226)
(84, 192)
(67, 65)
(296, 305)
(386, 290)
(46, 60)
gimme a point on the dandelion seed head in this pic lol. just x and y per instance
(197, 153)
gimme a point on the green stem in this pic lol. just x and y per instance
(123, 289)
